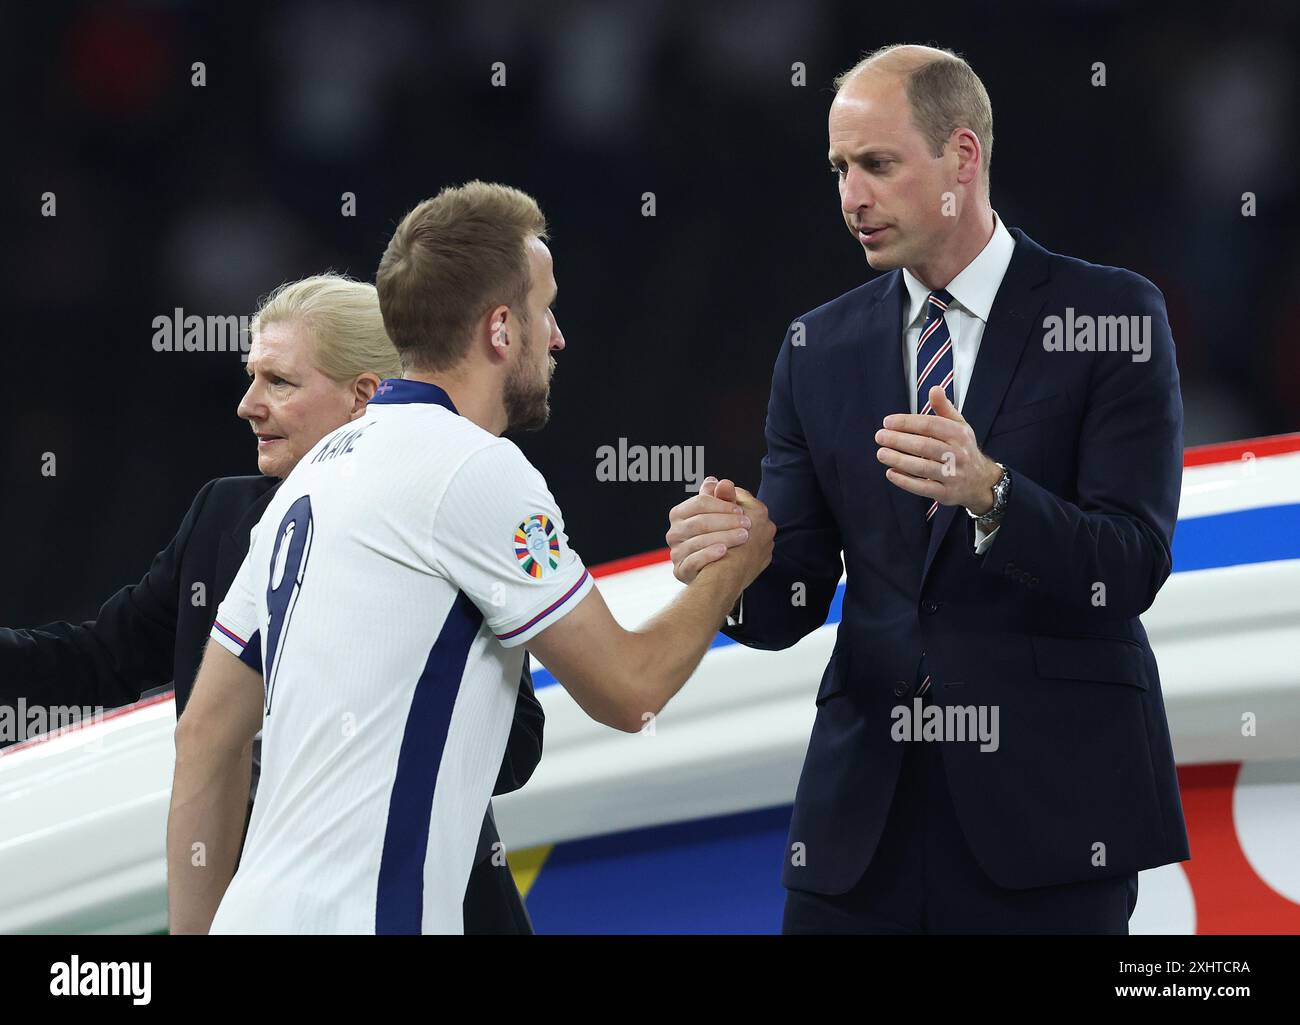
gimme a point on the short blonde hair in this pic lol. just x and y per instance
(344, 320)
(451, 260)
(943, 90)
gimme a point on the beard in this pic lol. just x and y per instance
(527, 396)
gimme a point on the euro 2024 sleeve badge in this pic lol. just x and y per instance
(537, 546)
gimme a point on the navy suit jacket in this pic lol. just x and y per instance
(1044, 625)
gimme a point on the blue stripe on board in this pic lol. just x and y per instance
(399, 900)
(1237, 538)
(717, 875)
(1270, 534)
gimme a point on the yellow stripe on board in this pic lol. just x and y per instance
(525, 864)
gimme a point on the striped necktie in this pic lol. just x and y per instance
(933, 366)
(934, 361)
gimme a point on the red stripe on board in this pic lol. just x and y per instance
(1232, 451)
(606, 569)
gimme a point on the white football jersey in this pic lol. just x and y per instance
(386, 596)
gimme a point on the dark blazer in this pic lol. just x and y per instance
(1094, 445)
(155, 632)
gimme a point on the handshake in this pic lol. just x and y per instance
(703, 529)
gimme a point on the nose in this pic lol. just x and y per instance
(557, 339)
(250, 406)
(855, 192)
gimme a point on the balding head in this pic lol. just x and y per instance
(898, 59)
(944, 94)
(910, 134)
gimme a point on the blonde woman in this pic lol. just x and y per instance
(319, 351)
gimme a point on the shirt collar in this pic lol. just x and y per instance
(977, 285)
(395, 389)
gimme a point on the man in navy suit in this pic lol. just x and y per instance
(990, 435)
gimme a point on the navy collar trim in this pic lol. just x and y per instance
(395, 389)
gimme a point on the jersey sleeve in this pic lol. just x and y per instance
(236, 627)
(499, 537)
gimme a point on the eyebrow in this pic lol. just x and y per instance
(554, 296)
(865, 154)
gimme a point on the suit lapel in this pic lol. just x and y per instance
(234, 543)
(1011, 320)
(886, 389)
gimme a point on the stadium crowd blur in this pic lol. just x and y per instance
(171, 195)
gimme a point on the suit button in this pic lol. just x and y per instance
(929, 607)
(900, 688)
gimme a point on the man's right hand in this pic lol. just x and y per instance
(720, 517)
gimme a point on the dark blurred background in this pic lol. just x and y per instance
(171, 196)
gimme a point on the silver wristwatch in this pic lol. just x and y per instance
(1001, 492)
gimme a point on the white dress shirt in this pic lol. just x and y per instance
(973, 292)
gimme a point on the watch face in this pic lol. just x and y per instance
(1000, 489)
(999, 500)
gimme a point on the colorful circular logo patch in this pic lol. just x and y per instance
(537, 546)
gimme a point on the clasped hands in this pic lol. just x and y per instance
(933, 456)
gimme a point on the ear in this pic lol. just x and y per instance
(969, 155)
(363, 390)
(499, 330)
